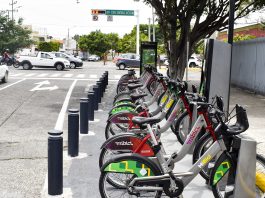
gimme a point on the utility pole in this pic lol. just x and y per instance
(137, 33)
(154, 28)
(149, 29)
(12, 10)
(68, 37)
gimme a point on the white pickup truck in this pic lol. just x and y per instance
(43, 59)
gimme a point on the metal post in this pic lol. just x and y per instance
(231, 22)
(187, 67)
(90, 96)
(149, 29)
(137, 33)
(95, 89)
(83, 115)
(73, 132)
(154, 28)
(55, 162)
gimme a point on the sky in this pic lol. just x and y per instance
(56, 16)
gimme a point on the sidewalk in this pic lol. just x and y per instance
(81, 174)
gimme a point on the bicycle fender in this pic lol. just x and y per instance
(133, 164)
(122, 117)
(129, 142)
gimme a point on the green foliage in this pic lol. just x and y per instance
(241, 37)
(12, 35)
(96, 43)
(49, 46)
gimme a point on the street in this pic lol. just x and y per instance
(30, 105)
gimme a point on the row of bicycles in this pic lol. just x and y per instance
(133, 161)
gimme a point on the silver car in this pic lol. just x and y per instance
(74, 62)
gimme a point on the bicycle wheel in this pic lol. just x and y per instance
(182, 127)
(112, 129)
(130, 167)
(200, 148)
(222, 179)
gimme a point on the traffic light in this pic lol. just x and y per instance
(97, 12)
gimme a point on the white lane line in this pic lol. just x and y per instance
(68, 75)
(50, 78)
(93, 76)
(117, 76)
(15, 75)
(60, 119)
(42, 75)
(31, 74)
(55, 75)
(12, 84)
(80, 76)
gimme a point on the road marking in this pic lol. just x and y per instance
(42, 75)
(12, 84)
(55, 75)
(93, 76)
(80, 76)
(15, 75)
(60, 119)
(68, 75)
(29, 75)
(117, 76)
(46, 82)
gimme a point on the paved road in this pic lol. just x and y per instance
(30, 104)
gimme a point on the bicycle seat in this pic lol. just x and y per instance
(143, 120)
(135, 97)
(134, 86)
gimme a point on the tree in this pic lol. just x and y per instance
(96, 43)
(12, 35)
(49, 46)
(194, 20)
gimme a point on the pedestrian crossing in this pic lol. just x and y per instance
(60, 75)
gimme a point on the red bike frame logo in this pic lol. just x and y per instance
(193, 135)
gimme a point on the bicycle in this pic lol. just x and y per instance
(143, 175)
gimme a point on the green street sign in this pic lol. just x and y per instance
(120, 12)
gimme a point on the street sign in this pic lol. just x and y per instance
(120, 12)
(109, 18)
(95, 18)
(97, 12)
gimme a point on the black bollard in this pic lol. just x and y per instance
(55, 162)
(99, 84)
(90, 97)
(83, 115)
(96, 96)
(73, 132)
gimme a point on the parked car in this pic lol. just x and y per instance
(193, 62)
(43, 59)
(74, 61)
(121, 56)
(93, 58)
(4, 73)
(132, 61)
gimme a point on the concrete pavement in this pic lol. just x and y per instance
(83, 174)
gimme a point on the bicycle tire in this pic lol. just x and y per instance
(199, 150)
(109, 131)
(104, 176)
(178, 127)
(225, 162)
